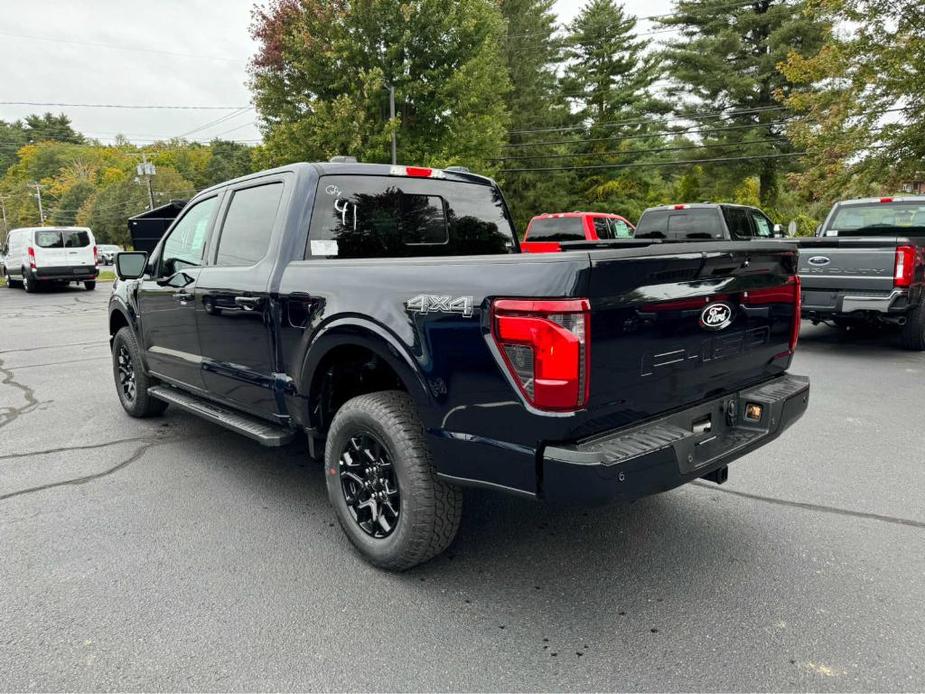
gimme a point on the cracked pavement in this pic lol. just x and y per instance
(171, 554)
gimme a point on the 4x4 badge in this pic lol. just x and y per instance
(716, 316)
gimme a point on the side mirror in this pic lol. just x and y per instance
(131, 265)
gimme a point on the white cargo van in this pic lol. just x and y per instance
(40, 255)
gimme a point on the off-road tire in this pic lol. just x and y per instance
(90, 285)
(141, 405)
(430, 509)
(912, 336)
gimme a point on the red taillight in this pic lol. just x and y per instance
(789, 293)
(96, 256)
(886, 200)
(546, 348)
(680, 207)
(31, 252)
(905, 266)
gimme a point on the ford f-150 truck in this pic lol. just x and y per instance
(867, 266)
(387, 314)
(706, 221)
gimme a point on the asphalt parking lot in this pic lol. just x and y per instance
(172, 554)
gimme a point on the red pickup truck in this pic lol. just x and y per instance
(546, 232)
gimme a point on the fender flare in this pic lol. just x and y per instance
(362, 332)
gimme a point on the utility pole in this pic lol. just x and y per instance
(392, 118)
(38, 196)
(6, 226)
(147, 170)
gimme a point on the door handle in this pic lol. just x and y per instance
(183, 297)
(248, 303)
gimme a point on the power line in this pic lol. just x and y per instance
(216, 121)
(617, 153)
(665, 133)
(117, 47)
(696, 116)
(681, 162)
(129, 106)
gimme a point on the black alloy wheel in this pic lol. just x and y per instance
(369, 485)
(126, 374)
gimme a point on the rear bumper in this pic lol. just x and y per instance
(822, 304)
(631, 463)
(74, 273)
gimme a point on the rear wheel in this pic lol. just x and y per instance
(912, 336)
(132, 381)
(90, 285)
(385, 492)
(29, 283)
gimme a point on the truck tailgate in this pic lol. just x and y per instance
(847, 263)
(668, 330)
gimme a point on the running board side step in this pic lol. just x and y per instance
(261, 431)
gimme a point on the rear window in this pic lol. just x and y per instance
(556, 229)
(55, 238)
(76, 239)
(49, 239)
(387, 217)
(680, 224)
(869, 218)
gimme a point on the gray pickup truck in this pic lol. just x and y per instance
(866, 266)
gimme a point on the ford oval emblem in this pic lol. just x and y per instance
(819, 260)
(716, 316)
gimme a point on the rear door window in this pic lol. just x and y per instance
(557, 229)
(738, 222)
(602, 228)
(387, 217)
(249, 222)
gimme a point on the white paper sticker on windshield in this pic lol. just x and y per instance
(324, 247)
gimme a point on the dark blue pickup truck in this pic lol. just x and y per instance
(386, 314)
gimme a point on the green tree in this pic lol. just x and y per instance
(861, 107)
(537, 109)
(108, 210)
(322, 69)
(48, 126)
(229, 160)
(726, 57)
(609, 78)
(610, 71)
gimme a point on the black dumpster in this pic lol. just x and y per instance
(148, 227)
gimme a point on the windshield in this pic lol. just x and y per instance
(876, 215)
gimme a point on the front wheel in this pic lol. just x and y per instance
(132, 381)
(912, 336)
(385, 492)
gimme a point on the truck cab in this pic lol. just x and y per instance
(546, 233)
(706, 222)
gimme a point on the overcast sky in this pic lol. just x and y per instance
(161, 52)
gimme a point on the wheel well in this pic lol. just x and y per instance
(117, 321)
(344, 373)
